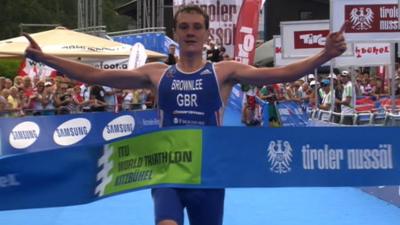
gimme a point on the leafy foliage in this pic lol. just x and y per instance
(9, 68)
(62, 12)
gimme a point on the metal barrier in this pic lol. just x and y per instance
(358, 119)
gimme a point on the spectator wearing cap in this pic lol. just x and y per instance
(48, 99)
(347, 105)
(310, 77)
(338, 92)
(327, 100)
(311, 94)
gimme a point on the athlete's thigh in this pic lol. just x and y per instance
(204, 206)
(167, 205)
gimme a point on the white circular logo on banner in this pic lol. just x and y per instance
(119, 127)
(24, 135)
(72, 131)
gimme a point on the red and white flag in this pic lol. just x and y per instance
(32, 69)
(247, 31)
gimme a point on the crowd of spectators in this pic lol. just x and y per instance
(60, 95)
(26, 95)
(312, 94)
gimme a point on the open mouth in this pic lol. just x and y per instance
(190, 42)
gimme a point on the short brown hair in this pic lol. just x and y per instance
(192, 9)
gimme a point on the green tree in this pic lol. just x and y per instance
(63, 12)
(9, 68)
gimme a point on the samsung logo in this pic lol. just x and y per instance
(72, 131)
(24, 135)
(119, 127)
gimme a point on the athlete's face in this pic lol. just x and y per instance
(191, 32)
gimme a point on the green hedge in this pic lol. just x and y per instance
(9, 67)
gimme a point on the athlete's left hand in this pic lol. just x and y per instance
(335, 42)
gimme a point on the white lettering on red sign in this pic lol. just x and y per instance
(311, 39)
(247, 46)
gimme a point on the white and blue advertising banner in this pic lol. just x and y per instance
(264, 111)
(208, 157)
(153, 41)
(235, 100)
(291, 114)
(39, 133)
(370, 20)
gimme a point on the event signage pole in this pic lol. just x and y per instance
(393, 62)
(331, 86)
(316, 87)
(392, 76)
(354, 89)
(398, 19)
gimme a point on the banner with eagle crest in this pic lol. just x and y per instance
(368, 19)
(207, 157)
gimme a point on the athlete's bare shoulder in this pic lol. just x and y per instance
(225, 69)
(153, 67)
(153, 70)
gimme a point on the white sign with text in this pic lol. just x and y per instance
(369, 20)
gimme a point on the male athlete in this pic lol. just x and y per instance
(192, 92)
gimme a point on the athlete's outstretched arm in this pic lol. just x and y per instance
(335, 46)
(136, 78)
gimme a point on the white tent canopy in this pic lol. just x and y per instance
(70, 44)
(264, 53)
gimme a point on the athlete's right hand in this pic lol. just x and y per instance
(33, 51)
